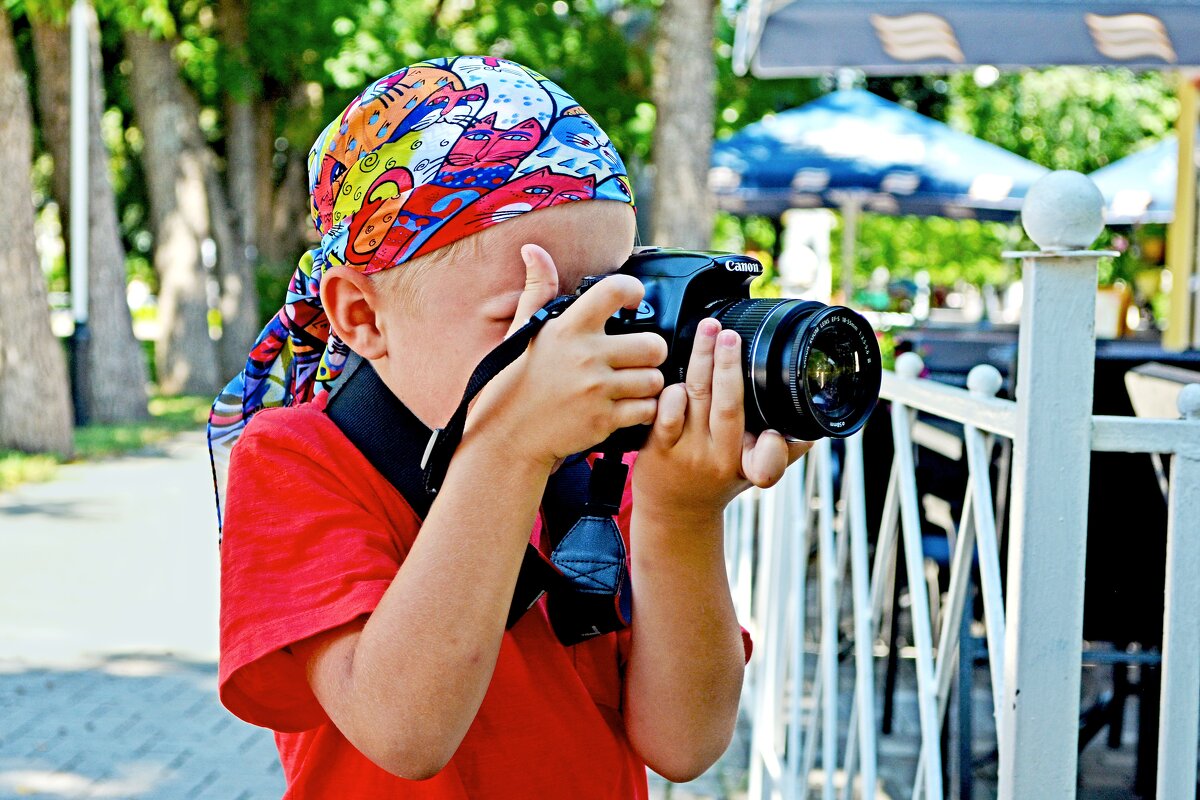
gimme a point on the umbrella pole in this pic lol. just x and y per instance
(850, 208)
(1181, 236)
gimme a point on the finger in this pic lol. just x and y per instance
(641, 382)
(672, 412)
(764, 461)
(604, 299)
(700, 370)
(541, 285)
(636, 350)
(727, 419)
(634, 411)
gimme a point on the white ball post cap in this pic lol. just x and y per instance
(909, 365)
(985, 380)
(1063, 211)
(1189, 401)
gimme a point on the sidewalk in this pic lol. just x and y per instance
(108, 638)
(108, 642)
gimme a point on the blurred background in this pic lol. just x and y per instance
(889, 183)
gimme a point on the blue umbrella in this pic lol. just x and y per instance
(1141, 187)
(852, 147)
(854, 150)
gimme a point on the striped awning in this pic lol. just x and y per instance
(778, 38)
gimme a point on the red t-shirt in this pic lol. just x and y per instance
(313, 536)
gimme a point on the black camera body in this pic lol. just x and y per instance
(810, 370)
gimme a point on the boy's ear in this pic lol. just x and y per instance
(353, 304)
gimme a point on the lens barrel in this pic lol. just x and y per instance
(811, 370)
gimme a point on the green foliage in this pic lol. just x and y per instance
(17, 468)
(1066, 117)
(168, 417)
(743, 100)
(306, 60)
(949, 250)
(600, 52)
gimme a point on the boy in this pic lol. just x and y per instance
(381, 657)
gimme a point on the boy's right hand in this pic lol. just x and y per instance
(575, 384)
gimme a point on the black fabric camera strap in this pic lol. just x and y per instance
(444, 441)
(586, 577)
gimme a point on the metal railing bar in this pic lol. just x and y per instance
(811, 735)
(1179, 717)
(864, 623)
(960, 579)
(914, 559)
(986, 413)
(829, 617)
(798, 612)
(885, 547)
(769, 626)
(1136, 435)
(979, 449)
(1109, 657)
(864, 620)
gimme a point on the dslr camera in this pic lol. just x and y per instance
(810, 370)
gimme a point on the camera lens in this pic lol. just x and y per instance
(811, 370)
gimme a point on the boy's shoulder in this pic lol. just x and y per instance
(304, 427)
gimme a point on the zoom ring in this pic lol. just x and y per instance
(746, 317)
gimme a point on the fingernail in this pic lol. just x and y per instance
(709, 327)
(728, 339)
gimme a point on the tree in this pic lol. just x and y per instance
(35, 407)
(115, 366)
(684, 95)
(245, 159)
(174, 157)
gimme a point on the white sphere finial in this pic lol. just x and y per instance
(909, 365)
(985, 380)
(1189, 401)
(1063, 211)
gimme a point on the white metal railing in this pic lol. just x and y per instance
(1033, 635)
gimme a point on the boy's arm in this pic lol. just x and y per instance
(686, 659)
(405, 685)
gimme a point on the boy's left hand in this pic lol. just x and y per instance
(699, 455)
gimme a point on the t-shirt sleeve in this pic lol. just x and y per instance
(301, 554)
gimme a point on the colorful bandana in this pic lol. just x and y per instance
(421, 158)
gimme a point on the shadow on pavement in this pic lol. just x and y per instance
(128, 726)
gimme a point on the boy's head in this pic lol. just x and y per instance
(435, 169)
(425, 164)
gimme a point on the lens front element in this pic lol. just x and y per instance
(835, 372)
(811, 370)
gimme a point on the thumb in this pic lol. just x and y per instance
(541, 285)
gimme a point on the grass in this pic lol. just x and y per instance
(168, 416)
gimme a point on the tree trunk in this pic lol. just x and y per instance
(685, 96)
(175, 160)
(284, 220)
(35, 404)
(264, 196)
(115, 365)
(237, 232)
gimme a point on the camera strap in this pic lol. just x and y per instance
(586, 577)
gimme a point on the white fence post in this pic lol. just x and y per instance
(1039, 723)
(1180, 709)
